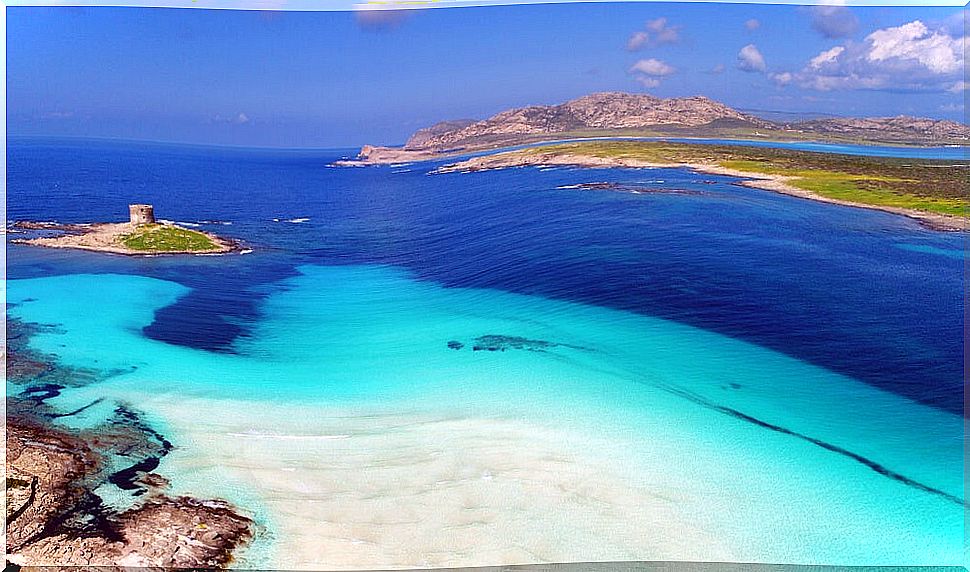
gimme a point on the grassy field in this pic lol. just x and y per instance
(743, 132)
(164, 238)
(919, 184)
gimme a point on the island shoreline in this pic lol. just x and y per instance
(767, 182)
(105, 238)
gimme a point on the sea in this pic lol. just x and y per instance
(404, 368)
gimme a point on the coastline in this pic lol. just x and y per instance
(106, 238)
(54, 517)
(762, 181)
(57, 476)
(531, 442)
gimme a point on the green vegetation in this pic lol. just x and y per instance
(166, 238)
(742, 132)
(918, 184)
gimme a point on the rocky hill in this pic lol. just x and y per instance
(901, 128)
(690, 116)
(625, 114)
(599, 111)
(422, 137)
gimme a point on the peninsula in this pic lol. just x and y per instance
(618, 114)
(931, 191)
(140, 236)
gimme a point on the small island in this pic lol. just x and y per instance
(142, 235)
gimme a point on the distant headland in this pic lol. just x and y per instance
(142, 235)
(618, 114)
(607, 125)
(932, 193)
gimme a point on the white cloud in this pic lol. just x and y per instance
(909, 57)
(637, 40)
(648, 82)
(652, 67)
(719, 68)
(826, 57)
(655, 33)
(650, 71)
(783, 78)
(937, 52)
(834, 21)
(751, 60)
(752, 24)
(662, 33)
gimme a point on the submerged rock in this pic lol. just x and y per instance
(636, 189)
(493, 343)
(500, 343)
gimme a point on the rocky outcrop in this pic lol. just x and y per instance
(46, 470)
(618, 113)
(55, 516)
(162, 239)
(375, 154)
(624, 110)
(422, 136)
(598, 111)
(902, 128)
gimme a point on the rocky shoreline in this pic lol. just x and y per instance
(107, 237)
(775, 183)
(55, 517)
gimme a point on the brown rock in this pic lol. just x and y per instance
(54, 518)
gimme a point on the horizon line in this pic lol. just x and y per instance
(121, 139)
(397, 5)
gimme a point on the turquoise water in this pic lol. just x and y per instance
(624, 424)
(700, 371)
(928, 249)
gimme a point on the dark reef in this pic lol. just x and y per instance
(631, 188)
(501, 343)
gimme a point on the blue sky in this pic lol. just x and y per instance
(330, 79)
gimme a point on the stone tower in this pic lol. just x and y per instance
(141, 214)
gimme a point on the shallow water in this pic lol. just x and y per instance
(726, 375)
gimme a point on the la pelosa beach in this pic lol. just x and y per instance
(414, 368)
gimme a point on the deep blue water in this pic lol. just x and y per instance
(872, 295)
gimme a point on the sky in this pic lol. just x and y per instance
(342, 79)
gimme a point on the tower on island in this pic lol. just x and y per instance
(141, 214)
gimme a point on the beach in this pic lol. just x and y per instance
(755, 180)
(599, 448)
